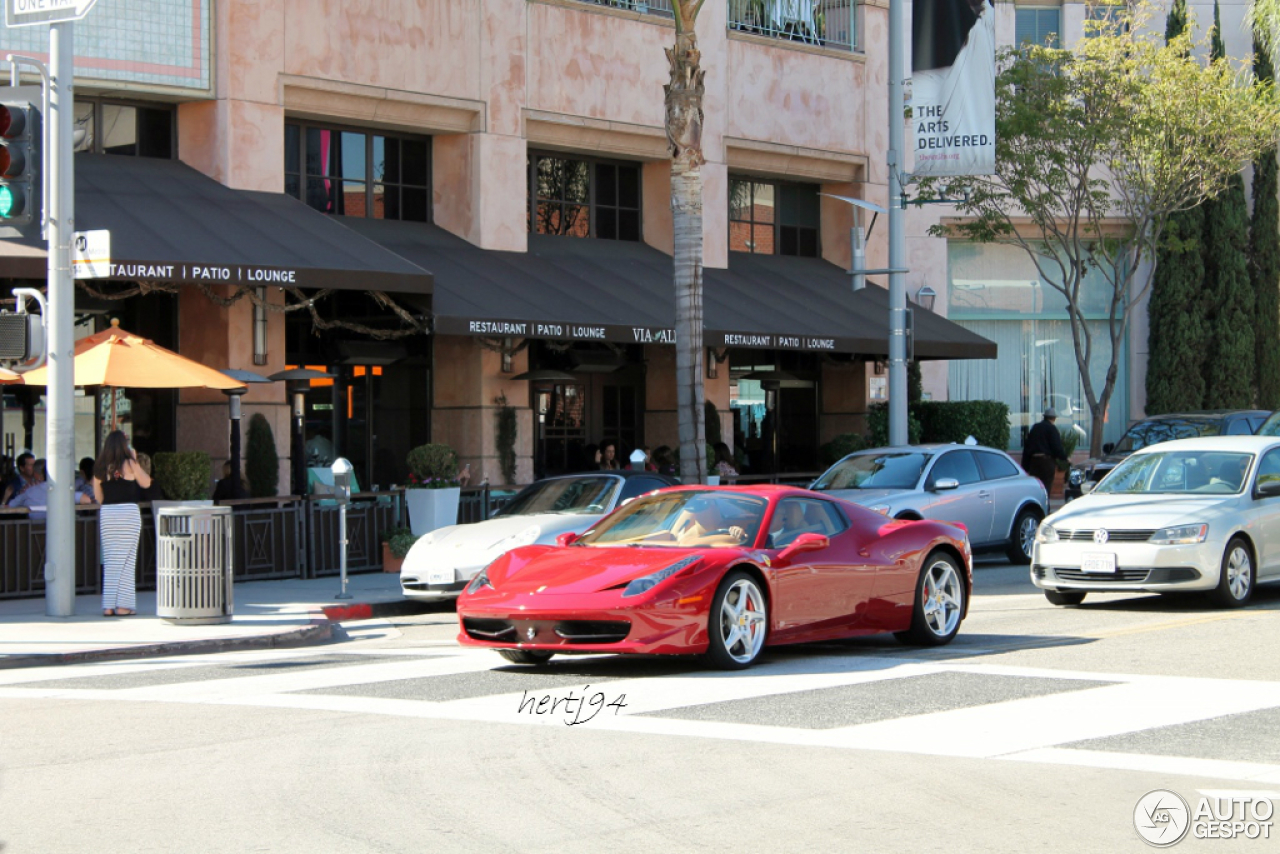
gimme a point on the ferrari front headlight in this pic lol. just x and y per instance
(647, 582)
(1180, 535)
(480, 581)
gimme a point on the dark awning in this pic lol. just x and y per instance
(808, 304)
(562, 288)
(170, 223)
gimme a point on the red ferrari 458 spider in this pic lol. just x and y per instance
(723, 572)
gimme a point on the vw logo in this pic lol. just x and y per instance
(1100, 535)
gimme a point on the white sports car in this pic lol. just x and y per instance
(442, 562)
(1192, 514)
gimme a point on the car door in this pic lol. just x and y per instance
(970, 503)
(1008, 490)
(822, 592)
(1268, 515)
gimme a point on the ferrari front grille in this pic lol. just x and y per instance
(593, 631)
(487, 629)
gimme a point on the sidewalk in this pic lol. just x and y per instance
(267, 614)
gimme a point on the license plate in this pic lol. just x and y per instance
(1098, 562)
(440, 576)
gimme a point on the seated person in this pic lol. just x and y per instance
(224, 490)
(701, 524)
(788, 523)
(36, 496)
(1231, 474)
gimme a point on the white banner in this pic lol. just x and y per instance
(953, 86)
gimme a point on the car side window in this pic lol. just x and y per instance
(1239, 427)
(958, 465)
(796, 516)
(634, 487)
(1255, 422)
(1268, 468)
(995, 466)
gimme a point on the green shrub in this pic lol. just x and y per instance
(433, 466)
(712, 417)
(1070, 438)
(184, 476)
(956, 420)
(262, 462)
(399, 540)
(840, 447)
(504, 440)
(878, 426)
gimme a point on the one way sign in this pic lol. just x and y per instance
(24, 13)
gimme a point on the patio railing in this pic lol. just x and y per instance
(826, 23)
(661, 8)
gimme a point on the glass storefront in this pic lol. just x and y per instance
(996, 291)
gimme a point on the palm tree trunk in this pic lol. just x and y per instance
(684, 134)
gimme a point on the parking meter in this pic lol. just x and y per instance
(342, 492)
(341, 480)
(637, 460)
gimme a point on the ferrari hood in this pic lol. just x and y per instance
(578, 570)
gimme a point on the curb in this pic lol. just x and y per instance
(373, 610)
(320, 631)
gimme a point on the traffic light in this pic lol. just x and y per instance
(19, 168)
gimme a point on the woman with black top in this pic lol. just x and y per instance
(117, 484)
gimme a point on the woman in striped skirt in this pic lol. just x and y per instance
(117, 484)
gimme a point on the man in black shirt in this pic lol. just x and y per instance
(1042, 448)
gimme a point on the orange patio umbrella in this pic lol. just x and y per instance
(120, 359)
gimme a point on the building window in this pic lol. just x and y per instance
(136, 130)
(1109, 15)
(353, 173)
(773, 219)
(584, 198)
(996, 291)
(1038, 26)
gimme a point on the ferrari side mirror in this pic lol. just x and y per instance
(568, 538)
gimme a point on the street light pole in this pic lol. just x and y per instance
(60, 527)
(897, 241)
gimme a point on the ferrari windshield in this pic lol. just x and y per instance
(591, 494)
(1197, 472)
(899, 470)
(683, 519)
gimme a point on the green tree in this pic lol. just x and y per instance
(1096, 147)
(1229, 368)
(1264, 256)
(684, 136)
(1177, 335)
(262, 461)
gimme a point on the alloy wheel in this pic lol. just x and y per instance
(742, 621)
(942, 596)
(1027, 534)
(1239, 572)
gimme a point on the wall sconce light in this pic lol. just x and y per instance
(714, 359)
(879, 368)
(507, 345)
(260, 327)
(925, 298)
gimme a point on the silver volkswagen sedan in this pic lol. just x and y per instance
(1192, 514)
(981, 487)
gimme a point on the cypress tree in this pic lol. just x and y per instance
(1177, 335)
(1264, 256)
(1230, 370)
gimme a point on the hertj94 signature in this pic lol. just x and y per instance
(575, 709)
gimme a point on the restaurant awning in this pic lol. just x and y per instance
(621, 291)
(808, 304)
(170, 223)
(562, 288)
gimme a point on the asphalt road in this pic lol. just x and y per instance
(1040, 728)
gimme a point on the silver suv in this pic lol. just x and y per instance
(981, 487)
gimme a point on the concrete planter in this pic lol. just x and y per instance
(430, 509)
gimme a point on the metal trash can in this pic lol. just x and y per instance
(194, 572)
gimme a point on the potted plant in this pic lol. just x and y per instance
(433, 491)
(396, 543)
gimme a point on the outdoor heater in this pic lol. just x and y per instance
(298, 382)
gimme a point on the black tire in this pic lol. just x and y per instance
(723, 640)
(926, 629)
(1065, 598)
(1020, 545)
(526, 656)
(1237, 577)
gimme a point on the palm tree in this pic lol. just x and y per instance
(684, 135)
